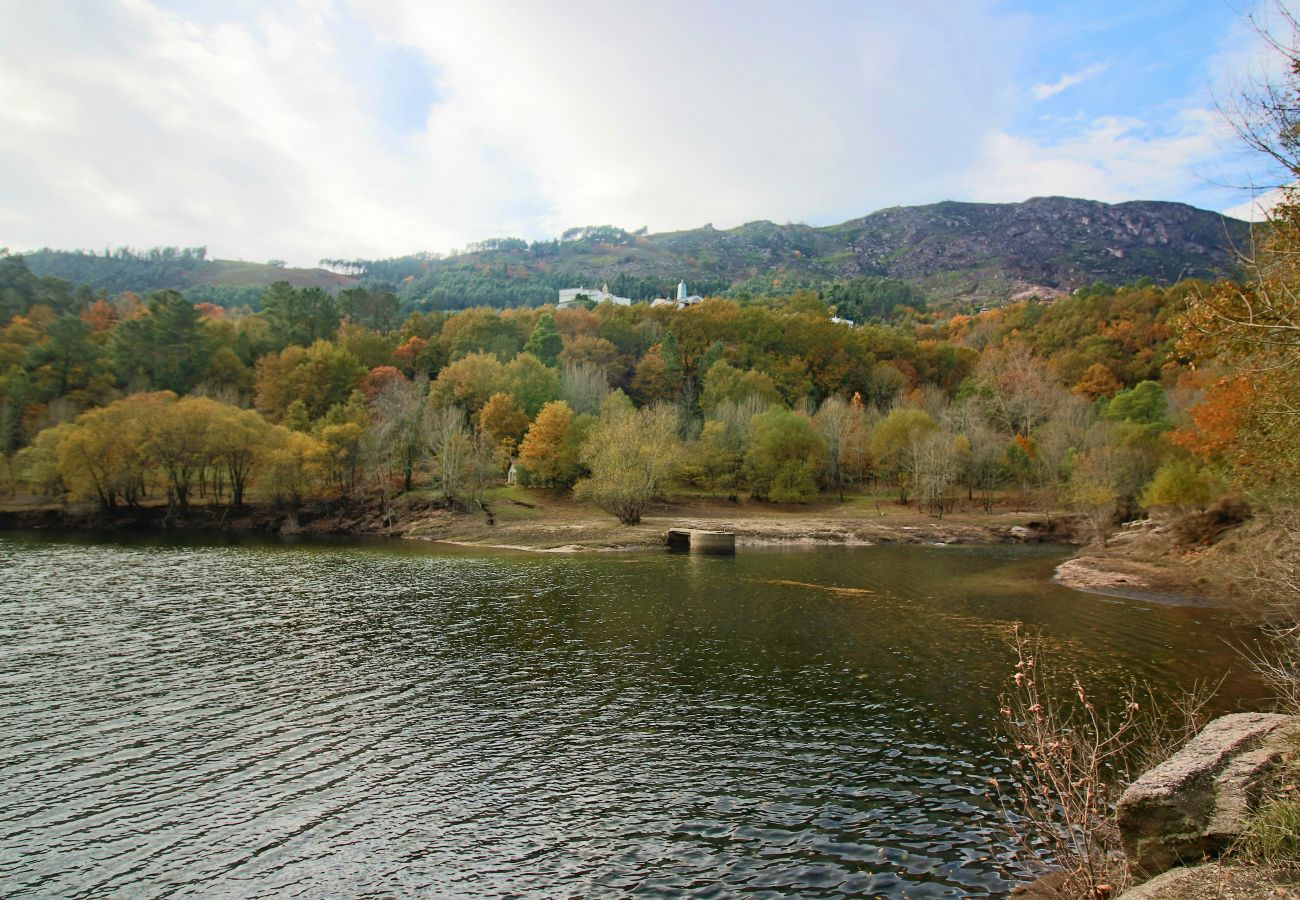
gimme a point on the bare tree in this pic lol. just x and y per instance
(1264, 107)
(451, 450)
(583, 385)
(935, 462)
(398, 424)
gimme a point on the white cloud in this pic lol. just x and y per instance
(1065, 82)
(131, 123)
(1111, 159)
(124, 121)
(1257, 208)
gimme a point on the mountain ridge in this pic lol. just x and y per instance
(953, 251)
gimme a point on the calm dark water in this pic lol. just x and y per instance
(265, 720)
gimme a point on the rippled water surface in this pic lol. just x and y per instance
(341, 720)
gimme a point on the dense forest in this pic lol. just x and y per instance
(1109, 401)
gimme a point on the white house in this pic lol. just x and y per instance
(569, 297)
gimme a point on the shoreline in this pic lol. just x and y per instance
(1128, 568)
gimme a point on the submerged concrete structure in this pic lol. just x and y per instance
(699, 540)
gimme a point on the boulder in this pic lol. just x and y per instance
(1215, 881)
(1196, 802)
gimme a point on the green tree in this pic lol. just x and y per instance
(896, 445)
(37, 465)
(1144, 404)
(532, 383)
(469, 382)
(167, 350)
(783, 460)
(714, 459)
(1181, 485)
(318, 376)
(545, 342)
(66, 359)
(300, 317)
(723, 382)
(375, 308)
(237, 440)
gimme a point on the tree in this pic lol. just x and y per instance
(371, 348)
(724, 382)
(104, 455)
(1144, 404)
(545, 342)
(547, 452)
(375, 308)
(1182, 485)
(398, 424)
(451, 450)
(597, 351)
(583, 386)
(936, 468)
(896, 445)
(300, 317)
(66, 358)
(342, 457)
(1092, 488)
(843, 427)
(631, 455)
(532, 384)
(176, 437)
(503, 422)
(469, 382)
(37, 465)
(1098, 381)
(713, 462)
(295, 466)
(784, 457)
(658, 377)
(167, 349)
(237, 441)
(318, 376)
(1017, 391)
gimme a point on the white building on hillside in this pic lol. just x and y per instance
(683, 298)
(570, 297)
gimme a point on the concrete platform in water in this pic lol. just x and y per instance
(697, 540)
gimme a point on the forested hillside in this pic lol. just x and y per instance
(954, 255)
(187, 269)
(1091, 401)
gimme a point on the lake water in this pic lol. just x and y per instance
(261, 719)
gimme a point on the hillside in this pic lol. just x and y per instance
(954, 252)
(186, 269)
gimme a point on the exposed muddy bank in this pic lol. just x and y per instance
(563, 527)
(1196, 560)
(1150, 562)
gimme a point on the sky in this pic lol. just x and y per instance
(310, 129)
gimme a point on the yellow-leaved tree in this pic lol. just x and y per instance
(631, 455)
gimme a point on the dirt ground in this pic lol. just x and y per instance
(536, 520)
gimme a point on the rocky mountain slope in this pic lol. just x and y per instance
(955, 252)
(952, 251)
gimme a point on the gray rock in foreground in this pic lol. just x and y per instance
(1195, 803)
(1214, 881)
